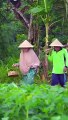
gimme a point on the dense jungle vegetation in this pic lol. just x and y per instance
(39, 21)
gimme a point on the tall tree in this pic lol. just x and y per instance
(46, 10)
(20, 8)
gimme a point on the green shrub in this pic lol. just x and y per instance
(5, 67)
(33, 102)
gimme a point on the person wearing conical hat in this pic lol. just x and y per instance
(59, 59)
(28, 62)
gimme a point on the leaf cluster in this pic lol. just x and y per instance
(33, 102)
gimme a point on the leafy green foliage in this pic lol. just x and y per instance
(9, 28)
(33, 102)
(21, 37)
(5, 67)
(36, 9)
(12, 31)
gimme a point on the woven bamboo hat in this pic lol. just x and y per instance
(56, 43)
(25, 44)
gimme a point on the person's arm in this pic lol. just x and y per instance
(66, 57)
(15, 65)
(50, 58)
(66, 60)
(49, 55)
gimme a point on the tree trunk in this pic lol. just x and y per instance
(46, 46)
(66, 7)
(30, 30)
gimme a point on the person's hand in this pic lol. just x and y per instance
(65, 69)
(48, 51)
(15, 65)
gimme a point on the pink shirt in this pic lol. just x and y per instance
(28, 60)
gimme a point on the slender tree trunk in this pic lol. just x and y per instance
(45, 61)
(30, 30)
(66, 7)
(37, 38)
(46, 46)
(46, 42)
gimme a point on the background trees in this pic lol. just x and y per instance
(35, 20)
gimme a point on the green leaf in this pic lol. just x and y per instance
(36, 10)
(6, 118)
(56, 118)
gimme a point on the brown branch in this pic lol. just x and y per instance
(22, 16)
(30, 31)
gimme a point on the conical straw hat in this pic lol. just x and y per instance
(25, 44)
(56, 43)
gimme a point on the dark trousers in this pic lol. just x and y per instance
(58, 79)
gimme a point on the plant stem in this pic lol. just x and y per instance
(27, 114)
